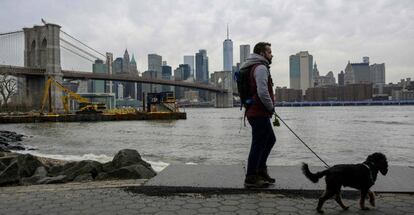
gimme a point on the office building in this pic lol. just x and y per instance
(227, 53)
(166, 75)
(341, 81)
(300, 67)
(189, 60)
(202, 73)
(98, 86)
(377, 73)
(244, 53)
(155, 64)
(356, 73)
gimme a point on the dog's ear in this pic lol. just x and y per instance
(380, 162)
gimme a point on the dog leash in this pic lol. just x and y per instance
(326, 165)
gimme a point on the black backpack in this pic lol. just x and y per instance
(243, 85)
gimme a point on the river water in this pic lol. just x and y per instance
(218, 136)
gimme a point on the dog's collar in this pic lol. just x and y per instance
(370, 172)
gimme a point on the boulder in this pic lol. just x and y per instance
(82, 167)
(4, 148)
(126, 157)
(10, 175)
(5, 161)
(84, 177)
(135, 171)
(27, 164)
(39, 174)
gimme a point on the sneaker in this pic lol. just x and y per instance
(255, 181)
(265, 176)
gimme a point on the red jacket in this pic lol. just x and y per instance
(257, 109)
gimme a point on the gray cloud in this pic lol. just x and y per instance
(332, 31)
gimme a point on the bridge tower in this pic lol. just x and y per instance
(224, 80)
(41, 50)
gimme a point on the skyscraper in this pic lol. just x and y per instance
(98, 86)
(341, 81)
(202, 74)
(227, 53)
(244, 53)
(166, 75)
(125, 63)
(155, 64)
(117, 69)
(377, 73)
(182, 73)
(189, 60)
(133, 66)
(301, 71)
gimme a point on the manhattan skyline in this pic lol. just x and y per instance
(335, 32)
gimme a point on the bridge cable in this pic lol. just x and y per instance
(83, 43)
(76, 53)
(8, 33)
(80, 49)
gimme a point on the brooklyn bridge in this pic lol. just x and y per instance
(42, 45)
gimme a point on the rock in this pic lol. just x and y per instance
(15, 147)
(5, 161)
(82, 167)
(136, 171)
(4, 148)
(126, 157)
(10, 175)
(84, 177)
(56, 170)
(8, 137)
(27, 164)
(39, 174)
(52, 180)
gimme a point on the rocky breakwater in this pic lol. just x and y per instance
(26, 169)
(10, 141)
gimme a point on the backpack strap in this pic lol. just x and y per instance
(251, 74)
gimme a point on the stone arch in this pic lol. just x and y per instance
(32, 54)
(43, 53)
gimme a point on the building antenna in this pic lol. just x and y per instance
(227, 30)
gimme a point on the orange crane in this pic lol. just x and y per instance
(85, 106)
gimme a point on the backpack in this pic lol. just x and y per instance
(243, 85)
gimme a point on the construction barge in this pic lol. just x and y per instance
(158, 106)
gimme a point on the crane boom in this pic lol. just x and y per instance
(87, 106)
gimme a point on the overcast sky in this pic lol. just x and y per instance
(332, 31)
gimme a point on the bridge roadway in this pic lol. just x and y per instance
(78, 75)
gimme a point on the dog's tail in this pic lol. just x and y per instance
(314, 177)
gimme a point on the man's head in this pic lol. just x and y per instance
(263, 49)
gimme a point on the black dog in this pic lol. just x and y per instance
(359, 176)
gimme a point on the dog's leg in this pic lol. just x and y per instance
(371, 198)
(338, 199)
(325, 196)
(362, 200)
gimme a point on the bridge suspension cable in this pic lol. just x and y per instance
(12, 48)
(8, 33)
(68, 49)
(83, 43)
(80, 49)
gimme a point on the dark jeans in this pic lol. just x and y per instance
(263, 140)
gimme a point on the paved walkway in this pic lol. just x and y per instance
(124, 197)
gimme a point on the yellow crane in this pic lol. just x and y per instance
(85, 106)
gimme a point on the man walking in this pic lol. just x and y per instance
(259, 113)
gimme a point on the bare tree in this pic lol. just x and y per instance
(8, 87)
